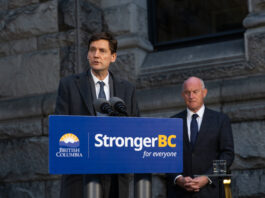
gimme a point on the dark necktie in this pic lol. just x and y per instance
(193, 129)
(101, 93)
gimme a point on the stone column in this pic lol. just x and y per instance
(255, 34)
(248, 130)
(127, 19)
(78, 19)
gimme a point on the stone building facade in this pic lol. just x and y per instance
(44, 40)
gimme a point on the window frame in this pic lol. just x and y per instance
(189, 41)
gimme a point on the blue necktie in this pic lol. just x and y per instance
(193, 129)
(101, 93)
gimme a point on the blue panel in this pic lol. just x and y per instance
(101, 145)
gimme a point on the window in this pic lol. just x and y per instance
(175, 23)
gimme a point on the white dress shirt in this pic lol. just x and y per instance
(200, 114)
(97, 86)
(199, 118)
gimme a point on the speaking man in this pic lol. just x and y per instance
(207, 136)
(76, 95)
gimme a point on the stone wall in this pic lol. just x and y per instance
(28, 72)
(40, 42)
(44, 40)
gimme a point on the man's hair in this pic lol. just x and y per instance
(105, 36)
(202, 82)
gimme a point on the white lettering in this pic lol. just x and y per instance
(154, 141)
(137, 143)
(121, 143)
(127, 140)
(97, 138)
(164, 154)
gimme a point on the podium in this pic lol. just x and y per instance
(114, 145)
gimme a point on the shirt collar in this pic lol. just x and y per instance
(199, 113)
(95, 79)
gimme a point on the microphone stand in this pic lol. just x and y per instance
(92, 187)
(142, 185)
(142, 182)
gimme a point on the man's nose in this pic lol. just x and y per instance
(191, 95)
(96, 54)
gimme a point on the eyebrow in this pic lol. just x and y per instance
(93, 47)
(192, 90)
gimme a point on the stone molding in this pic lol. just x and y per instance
(254, 20)
(209, 72)
(20, 128)
(256, 6)
(134, 41)
(242, 98)
(27, 107)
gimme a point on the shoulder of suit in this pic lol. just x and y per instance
(120, 80)
(179, 115)
(208, 111)
(214, 113)
(127, 83)
(73, 77)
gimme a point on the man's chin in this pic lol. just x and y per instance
(98, 69)
(193, 108)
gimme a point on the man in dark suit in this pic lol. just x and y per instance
(76, 95)
(207, 136)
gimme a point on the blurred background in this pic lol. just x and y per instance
(161, 43)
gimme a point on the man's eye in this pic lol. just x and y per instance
(91, 49)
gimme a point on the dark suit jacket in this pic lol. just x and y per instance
(214, 141)
(75, 97)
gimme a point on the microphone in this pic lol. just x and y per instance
(119, 105)
(103, 106)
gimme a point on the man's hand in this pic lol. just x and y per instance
(201, 181)
(192, 185)
(186, 183)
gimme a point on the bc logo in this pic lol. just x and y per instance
(69, 140)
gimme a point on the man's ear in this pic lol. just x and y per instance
(113, 57)
(205, 91)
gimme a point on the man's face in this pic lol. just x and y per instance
(193, 94)
(100, 56)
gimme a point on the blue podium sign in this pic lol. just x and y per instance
(103, 145)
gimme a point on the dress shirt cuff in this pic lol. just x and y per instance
(175, 180)
(210, 181)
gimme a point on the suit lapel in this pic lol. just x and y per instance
(185, 129)
(118, 87)
(203, 128)
(84, 86)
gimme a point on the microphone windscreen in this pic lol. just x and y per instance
(119, 105)
(98, 104)
(114, 100)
